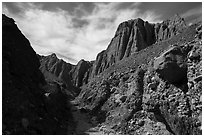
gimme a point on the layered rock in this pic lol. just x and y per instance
(134, 35)
(26, 108)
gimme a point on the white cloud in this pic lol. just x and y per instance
(55, 31)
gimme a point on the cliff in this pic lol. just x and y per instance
(134, 35)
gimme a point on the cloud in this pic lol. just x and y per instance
(5, 9)
(192, 12)
(193, 15)
(77, 35)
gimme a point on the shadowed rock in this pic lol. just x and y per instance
(27, 106)
(171, 65)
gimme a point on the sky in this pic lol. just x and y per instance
(80, 30)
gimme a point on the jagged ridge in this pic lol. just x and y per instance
(71, 75)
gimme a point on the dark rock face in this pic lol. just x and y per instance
(134, 35)
(171, 65)
(71, 75)
(25, 107)
(57, 67)
(80, 73)
(14, 55)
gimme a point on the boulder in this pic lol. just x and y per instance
(152, 85)
(198, 78)
(123, 98)
(171, 65)
(195, 54)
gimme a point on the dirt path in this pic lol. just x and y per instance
(84, 126)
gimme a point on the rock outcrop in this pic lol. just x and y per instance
(134, 35)
(57, 67)
(80, 73)
(171, 65)
(169, 28)
(29, 104)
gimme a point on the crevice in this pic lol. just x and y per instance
(159, 117)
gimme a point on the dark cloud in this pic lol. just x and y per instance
(67, 6)
(168, 9)
(79, 22)
(102, 22)
(12, 7)
(78, 9)
(127, 5)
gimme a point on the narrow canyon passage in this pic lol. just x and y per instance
(83, 121)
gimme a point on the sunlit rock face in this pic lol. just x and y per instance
(134, 35)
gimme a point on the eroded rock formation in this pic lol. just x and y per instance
(71, 75)
(134, 35)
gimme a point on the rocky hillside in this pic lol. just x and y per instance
(30, 105)
(150, 92)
